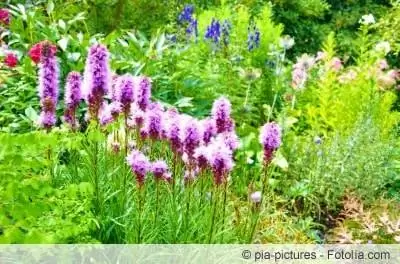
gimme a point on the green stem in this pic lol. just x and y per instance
(50, 159)
(157, 202)
(139, 215)
(215, 198)
(263, 194)
(96, 175)
(224, 205)
(247, 95)
(254, 220)
(204, 174)
(188, 210)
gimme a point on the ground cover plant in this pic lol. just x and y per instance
(209, 126)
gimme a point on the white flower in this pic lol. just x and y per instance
(256, 197)
(367, 19)
(286, 42)
(383, 47)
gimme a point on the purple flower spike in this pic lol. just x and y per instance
(124, 90)
(140, 165)
(221, 114)
(201, 154)
(221, 161)
(115, 109)
(159, 169)
(186, 14)
(73, 93)
(97, 78)
(73, 96)
(47, 119)
(48, 86)
(137, 117)
(142, 92)
(209, 129)
(230, 139)
(191, 137)
(105, 115)
(253, 38)
(112, 93)
(213, 31)
(270, 138)
(173, 134)
(153, 124)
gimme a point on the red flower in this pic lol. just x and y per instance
(4, 16)
(11, 60)
(36, 51)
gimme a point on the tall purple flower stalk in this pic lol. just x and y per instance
(221, 161)
(97, 78)
(230, 139)
(48, 86)
(173, 134)
(187, 14)
(73, 96)
(216, 32)
(140, 166)
(221, 114)
(270, 139)
(201, 154)
(142, 92)
(153, 124)
(192, 29)
(137, 117)
(209, 129)
(191, 137)
(253, 38)
(213, 31)
(226, 30)
(115, 106)
(125, 92)
(187, 19)
(106, 114)
(160, 170)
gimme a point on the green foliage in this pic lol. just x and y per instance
(315, 19)
(339, 129)
(34, 211)
(389, 27)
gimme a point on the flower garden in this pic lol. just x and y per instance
(210, 129)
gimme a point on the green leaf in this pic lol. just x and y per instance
(123, 42)
(74, 56)
(160, 44)
(50, 7)
(184, 102)
(289, 122)
(280, 161)
(63, 43)
(62, 24)
(31, 114)
(23, 11)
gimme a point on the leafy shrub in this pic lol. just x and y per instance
(33, 210)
